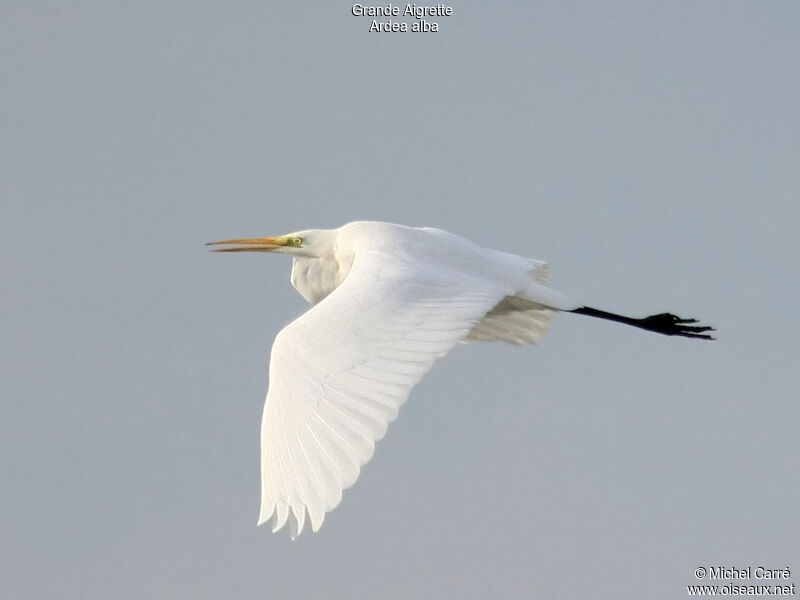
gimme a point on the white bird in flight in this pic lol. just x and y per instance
(388, 300)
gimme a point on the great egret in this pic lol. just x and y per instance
(388, 301)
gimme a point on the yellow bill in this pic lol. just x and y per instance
(266, 244)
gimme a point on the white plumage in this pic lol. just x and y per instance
(388, 301)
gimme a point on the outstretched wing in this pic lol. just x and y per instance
(340, 372)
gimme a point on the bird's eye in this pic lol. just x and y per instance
(296, 241)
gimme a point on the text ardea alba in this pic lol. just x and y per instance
(388, 300)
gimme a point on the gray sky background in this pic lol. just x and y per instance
(649, 151)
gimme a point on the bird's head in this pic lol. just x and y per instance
(312, 243)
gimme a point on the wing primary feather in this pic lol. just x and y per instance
(281, 515)
(311, 486)
(324, 471)
(293, 487)
(349, 457)
(375, 406)
(359, 436)
(296, 522)
(375, 426)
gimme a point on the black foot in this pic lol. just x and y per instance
(665, 323)
(670, 324)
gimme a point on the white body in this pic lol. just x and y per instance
(388, 301)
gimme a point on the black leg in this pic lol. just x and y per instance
(665, 323)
